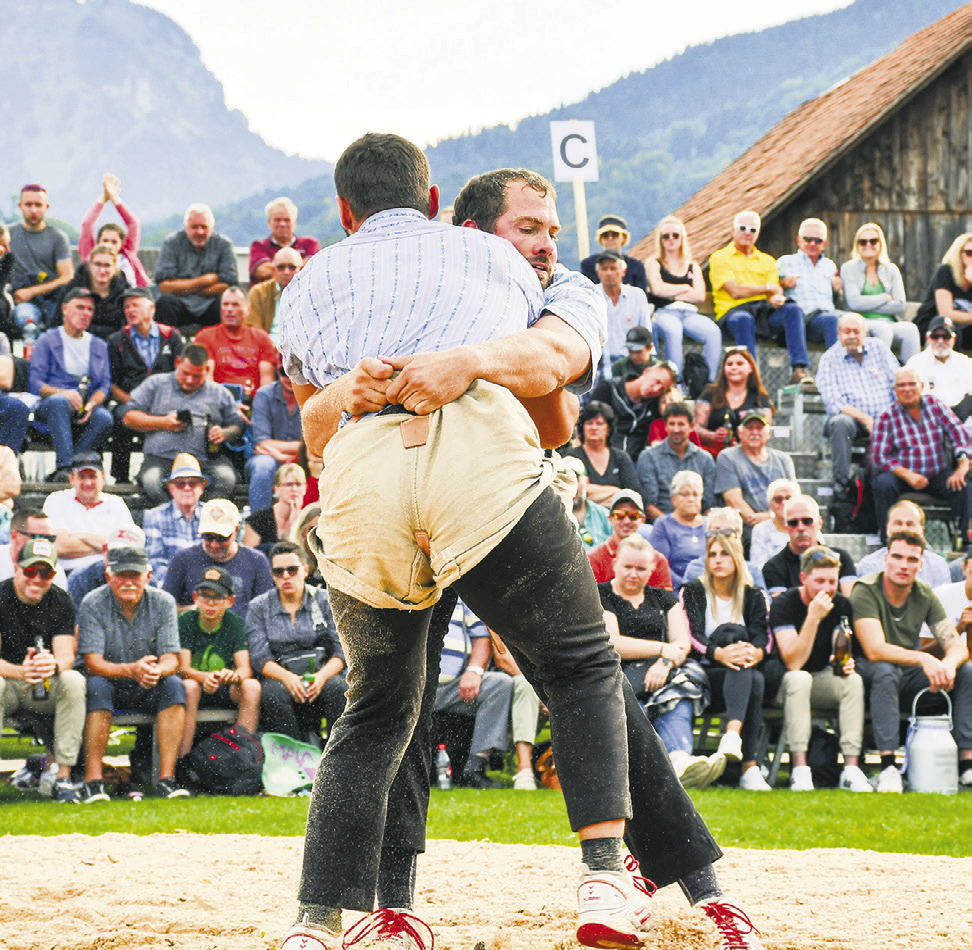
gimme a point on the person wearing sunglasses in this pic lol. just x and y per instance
(804, 620)
(282, 218)
(873, 288)
(28, 524)
(749, 301)
(33, 608)
(265, 296)
(265, 526)
(801, 517)
(219, 526)
(947, 374)
(950, 292)
(129, 639)
(676, 288)
(770, 536)
(294, 648)
(856, 381)
(810, 280)
(612, 234)
(627, 515)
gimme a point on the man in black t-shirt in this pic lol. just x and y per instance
(31, 608)
(801, 516)
(804, 621)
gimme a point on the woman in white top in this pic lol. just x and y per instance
(770, 537)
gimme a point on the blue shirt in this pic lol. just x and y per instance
(249, 569)
(272, 418)
(867, 386)
(167, 531)
(148, 347)
(814, 288)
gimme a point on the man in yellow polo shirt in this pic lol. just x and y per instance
(749, 300)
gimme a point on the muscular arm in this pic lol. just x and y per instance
(531, 363)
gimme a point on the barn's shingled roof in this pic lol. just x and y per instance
(817, 134)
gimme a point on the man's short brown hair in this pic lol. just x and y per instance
(380, 171)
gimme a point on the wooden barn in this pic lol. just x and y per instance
(890, 144)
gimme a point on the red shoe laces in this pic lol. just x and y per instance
(643, 884)
(390, 923)
(730, 921)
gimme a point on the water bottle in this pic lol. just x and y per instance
(443, 767)
(29, 333)
(310, 673)
(43, 688)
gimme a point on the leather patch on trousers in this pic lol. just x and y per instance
(422, 540)
(415, 431)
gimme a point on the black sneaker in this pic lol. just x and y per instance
(92, 792)
(169, 788)
(477, 779)
(64, 792)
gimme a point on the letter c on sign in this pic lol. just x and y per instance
(563, 150)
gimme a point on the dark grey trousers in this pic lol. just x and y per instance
(537, 591)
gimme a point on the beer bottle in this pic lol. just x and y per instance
(43, 688)
(83, 387)
(211, 447)
(842, 645)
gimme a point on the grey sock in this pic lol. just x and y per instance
(396, 878)
(602, 854)
(320, 916)
(700, 885)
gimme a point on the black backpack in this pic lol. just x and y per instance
(695, 374)
(228, 762)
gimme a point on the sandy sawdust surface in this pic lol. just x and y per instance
(229, 892)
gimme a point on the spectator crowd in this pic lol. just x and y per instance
(719, 592)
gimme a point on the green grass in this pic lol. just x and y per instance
(922, 824)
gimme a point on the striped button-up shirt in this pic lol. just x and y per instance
(867, 386)
(401, 285)
(814, 288)
(167, 531)
(917, 445)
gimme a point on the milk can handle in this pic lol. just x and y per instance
(927, 689)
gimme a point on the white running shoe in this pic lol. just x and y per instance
(390, 929)
(730, 745)
(853, 779)
(691, 770)
(525, 781)
(752, 780)
(613, 909)
(801, 779)
(736, 930)
(965, 779)
(889, 780)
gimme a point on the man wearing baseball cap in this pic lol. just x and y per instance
(638, 347)
(90, 578)
(947, 374)
(70, 372)
(612, 234)
(142, 347)
(33, 608)
(83, 515)
(627, 515)
(214, 661)
(128, 636)
(219, 525)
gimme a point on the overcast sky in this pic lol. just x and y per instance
(312, 75)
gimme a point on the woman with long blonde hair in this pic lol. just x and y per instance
(730, 637)
(676, 288)
(873, 288)
(950, 293)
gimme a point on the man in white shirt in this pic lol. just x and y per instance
(957, 599)
(627, 306)
(947, 374)
(83, 515)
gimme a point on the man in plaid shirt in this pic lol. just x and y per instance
(911, 447)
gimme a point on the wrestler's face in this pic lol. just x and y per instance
(530, 223)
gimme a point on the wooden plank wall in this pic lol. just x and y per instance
(910, 175)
